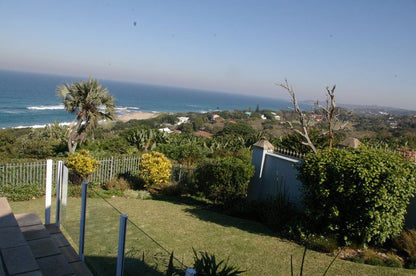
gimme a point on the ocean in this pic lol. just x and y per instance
(29, 99)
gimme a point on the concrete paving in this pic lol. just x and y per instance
(28, 248)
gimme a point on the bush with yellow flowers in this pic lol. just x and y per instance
(155, 169)
(82, 164)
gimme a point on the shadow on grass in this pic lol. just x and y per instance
(100, 265)
(206, 211)
(184, 200)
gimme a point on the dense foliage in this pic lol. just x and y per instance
(21, 192)
(82, 163)
(359, 195)
(155, 169)
(225, 179)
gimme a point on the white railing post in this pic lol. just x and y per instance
(82, 220)
(59, 171)
(48, 191)
(121, 244)
(64, 193)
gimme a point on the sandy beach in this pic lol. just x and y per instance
(137, 116)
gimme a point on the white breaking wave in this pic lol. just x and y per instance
(126, 108)
(42, 126)
(46, 107)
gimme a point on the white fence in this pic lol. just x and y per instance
(114, 166)
(34, 173)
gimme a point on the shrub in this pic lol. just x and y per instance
(155, 169)
(372, 258)
(392, 261)
(82, 163)
(22, 192)
(143, 195)
(207, 264)
(130, 193)
(117, 184)
(406, 242)
(224, 180)
(321, 243)
(358, 195)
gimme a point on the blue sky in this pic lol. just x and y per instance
(367, 48)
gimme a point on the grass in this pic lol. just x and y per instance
(179, 227)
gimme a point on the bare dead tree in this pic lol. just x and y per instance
(329, 110)
(302, 117)
(334, 123)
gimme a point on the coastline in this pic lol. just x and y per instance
(139, 115)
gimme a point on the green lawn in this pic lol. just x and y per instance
(180, 227)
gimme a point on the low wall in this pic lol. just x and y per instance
(275, 175)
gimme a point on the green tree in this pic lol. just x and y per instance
(90, 102)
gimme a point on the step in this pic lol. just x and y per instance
(27, 247)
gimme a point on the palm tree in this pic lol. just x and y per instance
(91, 102)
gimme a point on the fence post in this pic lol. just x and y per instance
(82, 220)
(180, 173)
(59, 168)
(48, 191)
(64, 193)
(121, 244)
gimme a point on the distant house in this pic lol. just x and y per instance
(263, 117)
(165, 129)
(214, 117)
(182, 120)
(277, 117)
(392, 122)
(248, 113)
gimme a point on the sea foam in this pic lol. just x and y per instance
(46, 107)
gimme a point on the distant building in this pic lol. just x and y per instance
(392, 122)
(165, 129)
(214, 117)
(182, 120)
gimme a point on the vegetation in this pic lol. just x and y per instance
(206, 264)
(82, 164)
(86, 99)
(155, 169)
(359, 195)
(224, 180)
